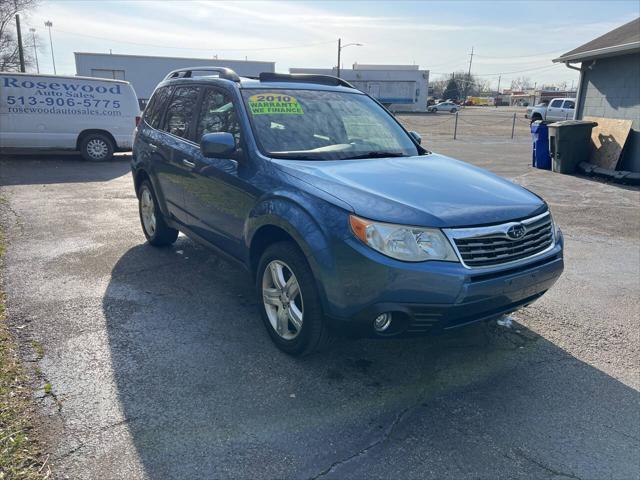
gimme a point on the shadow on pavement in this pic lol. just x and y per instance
(62, 168)
(206, 395)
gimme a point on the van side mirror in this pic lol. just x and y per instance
(416, 136)
(218, 145)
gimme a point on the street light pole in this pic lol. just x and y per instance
(35, 50)
(340, 47)
(339, 50)
(48, 24)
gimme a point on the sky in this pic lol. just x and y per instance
(510, 39)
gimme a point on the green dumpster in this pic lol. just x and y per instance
(569, 144)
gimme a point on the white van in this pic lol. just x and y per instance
(50, 112)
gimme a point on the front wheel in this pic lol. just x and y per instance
(96, 147)
(289, 301)
(154, 226)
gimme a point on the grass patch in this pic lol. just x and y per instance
(19, 455)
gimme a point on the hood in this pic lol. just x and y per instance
(428, 190)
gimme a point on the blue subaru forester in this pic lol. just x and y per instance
(344, 221)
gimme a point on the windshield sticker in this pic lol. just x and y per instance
(273, 103)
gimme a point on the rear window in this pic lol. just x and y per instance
(180, 114)
(153, 112)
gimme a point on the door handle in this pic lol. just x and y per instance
(188, 163)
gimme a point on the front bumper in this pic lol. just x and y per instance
(429, 297)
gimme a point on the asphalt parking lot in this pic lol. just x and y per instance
(161, 368)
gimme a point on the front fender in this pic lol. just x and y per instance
(312, 223)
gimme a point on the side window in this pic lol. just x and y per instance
(556, 104)
(569, 104)
(217, 114)
(180, 111)
(153, 112)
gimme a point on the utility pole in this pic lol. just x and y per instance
(48, 24)
(35, 49)
(468, 77)
(20, 50)
(495, 100)
(339, 50)
(499, 78)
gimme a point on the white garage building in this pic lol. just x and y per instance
(145, 72)
(399, 87)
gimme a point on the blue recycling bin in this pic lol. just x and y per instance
(541, 157)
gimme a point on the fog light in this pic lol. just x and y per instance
(382, 322)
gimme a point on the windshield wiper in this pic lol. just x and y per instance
(376, 154)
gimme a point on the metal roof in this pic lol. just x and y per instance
(622, 40)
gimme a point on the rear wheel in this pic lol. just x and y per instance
(96, 147)
(154, 226)
(453, 110)
(289, 300)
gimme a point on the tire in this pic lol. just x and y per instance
(453, 110)
(96, 147)
(434, 110)
(313, 334)
(154, 226)
(535, 118)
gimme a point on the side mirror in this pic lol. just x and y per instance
(217, 145)
(416, 136)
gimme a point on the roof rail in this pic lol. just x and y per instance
(223, 72)
(304, 78)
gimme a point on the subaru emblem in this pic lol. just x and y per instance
(517, 231)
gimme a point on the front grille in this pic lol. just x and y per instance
(489, 246)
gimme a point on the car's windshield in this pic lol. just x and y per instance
(324, 125)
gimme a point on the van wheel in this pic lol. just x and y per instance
(96, 147)
(154, 226)
(289, 301)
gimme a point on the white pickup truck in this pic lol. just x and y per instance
(558, 109)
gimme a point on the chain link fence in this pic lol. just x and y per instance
(508, 125)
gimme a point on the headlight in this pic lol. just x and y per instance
(410, 244)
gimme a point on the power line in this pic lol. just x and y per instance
(522, 56)
(194, 48)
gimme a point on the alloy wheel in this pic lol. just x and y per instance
(282, 299)
(147, 212)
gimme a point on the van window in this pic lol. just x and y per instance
(217, 114)
(556, 104)
(180, 111)
(153, 112)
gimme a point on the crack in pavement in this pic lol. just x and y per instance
(385, 436)
(543, 466)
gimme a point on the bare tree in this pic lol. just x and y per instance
(9, 55)
(437, 87)
(521, 84)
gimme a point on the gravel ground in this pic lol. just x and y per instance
(160, 367)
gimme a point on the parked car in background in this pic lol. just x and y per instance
(94, 116)
(558, 109)
(447, 106)
(344, 222)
